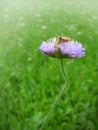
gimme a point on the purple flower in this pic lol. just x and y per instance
(69, 49)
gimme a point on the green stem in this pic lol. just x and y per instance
(58, 97)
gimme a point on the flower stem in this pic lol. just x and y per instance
(58, 97)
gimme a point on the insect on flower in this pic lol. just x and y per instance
(61, 39)
(62, 47)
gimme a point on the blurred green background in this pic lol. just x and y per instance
(30, 81)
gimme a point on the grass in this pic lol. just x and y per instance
(30, 81)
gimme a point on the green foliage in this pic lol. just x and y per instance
(30, 81)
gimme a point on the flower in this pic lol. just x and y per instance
(68, 49)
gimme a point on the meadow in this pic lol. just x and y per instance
(31, 81)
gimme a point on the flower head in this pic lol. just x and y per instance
(63, 49)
